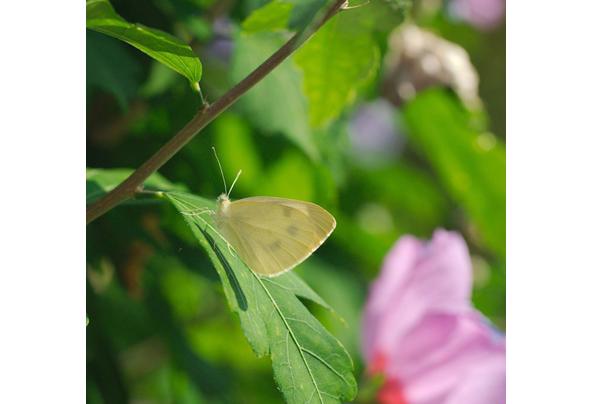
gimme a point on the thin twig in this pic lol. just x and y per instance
(126, 189)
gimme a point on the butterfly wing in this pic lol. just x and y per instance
(273, 235)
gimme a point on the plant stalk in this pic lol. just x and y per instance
(129, 186)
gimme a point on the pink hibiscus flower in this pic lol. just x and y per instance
(421, 331)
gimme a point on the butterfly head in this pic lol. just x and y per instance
(223, 202)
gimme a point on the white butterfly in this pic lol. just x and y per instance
(272, 235)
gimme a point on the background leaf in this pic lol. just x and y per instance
(309, 364)
(273, 16)
(276, 104)
(101, 17)
(337, 61)
(278, 15)
(122, 79)
(470, 163)
(343, 57)
(304, 11)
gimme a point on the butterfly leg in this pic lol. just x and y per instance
(229, 246)
(198, 212)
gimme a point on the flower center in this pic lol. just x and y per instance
(391, 393)
(392, 390)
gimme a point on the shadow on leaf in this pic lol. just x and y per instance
(239, 295)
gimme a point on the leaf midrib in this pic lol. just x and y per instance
(291, 334)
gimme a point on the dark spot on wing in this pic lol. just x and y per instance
(275, 245)
(292, 230)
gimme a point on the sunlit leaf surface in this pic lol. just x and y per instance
(310, 365)
(167, 49)
(336, 62)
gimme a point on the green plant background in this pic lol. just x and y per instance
(159, 326)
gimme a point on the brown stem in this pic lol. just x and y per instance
(127, 189)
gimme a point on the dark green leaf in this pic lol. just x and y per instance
(310, 365)
(304, 11)
(167, 49)
(111, 69)
(276, 104)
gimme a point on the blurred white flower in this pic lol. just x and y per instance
(419, 59)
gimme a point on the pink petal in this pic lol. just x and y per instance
(484, 384)
(436, 359)
(415, 279)
(385, 290)
(422, 332)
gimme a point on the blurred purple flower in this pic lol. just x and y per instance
(483, 14)
(221, 45)
(421, 331)
(373, 129)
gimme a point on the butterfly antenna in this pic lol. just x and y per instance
(233, 184)
(220, 167)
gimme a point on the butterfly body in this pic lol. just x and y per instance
(273, 235)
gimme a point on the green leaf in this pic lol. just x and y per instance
(383, 16)
(100, 181)
(470, 163)
(273, 16)
(275, 104)
(343, 57)
(337, 61)
(342, 289)
(110, 68)
(283, 14)
(167, 49)
(310, 365)
(304, 11)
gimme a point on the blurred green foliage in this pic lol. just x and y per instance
(159, 329)
(470, 163)
(276, 105)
